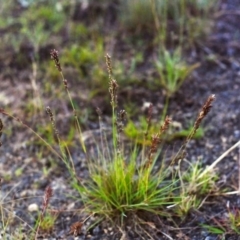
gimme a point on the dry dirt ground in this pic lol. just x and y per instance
(27, 168)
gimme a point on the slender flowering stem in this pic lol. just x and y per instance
(54, 56)
(34, 132)
(202, 114)
(113, 88)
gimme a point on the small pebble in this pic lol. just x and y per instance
(237, 133)
(33, 207)
(71, 206)
(210, 238)
(96, 230)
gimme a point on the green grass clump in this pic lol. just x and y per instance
(122, 184)
(234, 220)
(47, 223)
(83, 56)
(120, 188)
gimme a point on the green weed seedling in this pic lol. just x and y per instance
(85, 56)
(87, 61)
(46, 133)
(233, 220)
(132, 131)
(183, 133)
(46, 224)
(229, 223)
(173, 70)
(78, 31)
(215, 230)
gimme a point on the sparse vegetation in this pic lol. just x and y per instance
(118, 186)
(134, 173)
(175, 20)
(228, 224)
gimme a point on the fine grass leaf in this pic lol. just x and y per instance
(214, 230)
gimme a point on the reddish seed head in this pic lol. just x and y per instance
(54, 56)
(47, 195)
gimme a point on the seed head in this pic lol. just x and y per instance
(113, 87)
(156, 140)
(203, 113)
(109, 65)
(47, 195)
(54, 56)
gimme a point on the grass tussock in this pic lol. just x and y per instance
(122, 183)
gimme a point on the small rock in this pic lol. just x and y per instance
(71, 206)
(96, 230)
(210, 238)
(145, 106)
(237, 133)
(33, 207)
